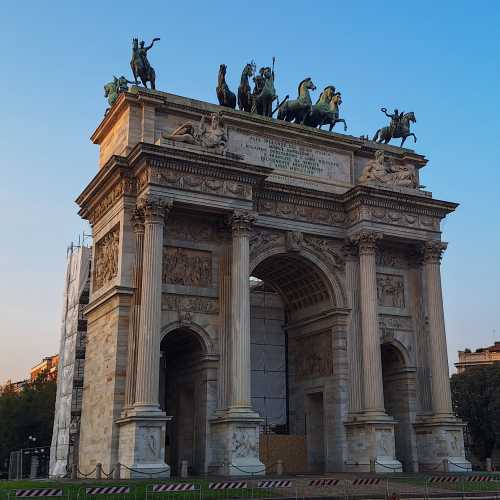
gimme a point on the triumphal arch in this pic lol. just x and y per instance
(254, 278)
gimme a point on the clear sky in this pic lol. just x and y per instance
(438, 59)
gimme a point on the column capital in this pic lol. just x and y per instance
(155, 210)
(366, 241)
(137, 219)
(241, 221)
(433, 251)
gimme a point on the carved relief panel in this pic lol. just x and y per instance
(187, 267)
(313, 356)
(106, 258)
(391, 290)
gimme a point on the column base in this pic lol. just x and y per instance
(370, 444)
(141, 448)
(235, 443)
(440, 444)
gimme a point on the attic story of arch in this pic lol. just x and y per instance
(263, 98)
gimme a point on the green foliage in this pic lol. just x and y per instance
(476, 400)
(29, 412)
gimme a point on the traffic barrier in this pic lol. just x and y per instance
(320, 483)
(45, 492)
(107, 490)
(366, 481)
(158, 488)
(228, 485)
(275, 483)
(170, 490)
(444, 479)
(481, 479)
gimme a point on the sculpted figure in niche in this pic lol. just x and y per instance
(386, 172)
(213, 136)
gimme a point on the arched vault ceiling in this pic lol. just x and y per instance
(300, 282)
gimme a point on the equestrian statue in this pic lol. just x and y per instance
(244, 91)
(398, 128)
(224, 95)
(140, 64)
(297, 109)
(264, 92)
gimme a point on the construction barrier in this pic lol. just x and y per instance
(321, 483)
(45, 492)
(275, 483)
(165, 491)
(444, 479)
(228, 485)
(366, 481)
(121, 492)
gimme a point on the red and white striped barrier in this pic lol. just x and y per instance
(108, 490)
(444, 479)
(481, 479)
(320, 483)
(367, 481)
(275, 483)
(158, 488)
(228, 485)
(39, 493)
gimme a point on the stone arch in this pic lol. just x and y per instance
(199, 332)
(400, 350)
(335, 287)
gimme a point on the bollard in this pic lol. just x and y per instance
(372, 465)
(488, 465)
(445, 465)
(74, 472)
(279, 467)
(116, 472)
(184, 468)
(98, 471)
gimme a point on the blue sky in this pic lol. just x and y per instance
(438, 59)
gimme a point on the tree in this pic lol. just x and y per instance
(29, 412)
(476, 400)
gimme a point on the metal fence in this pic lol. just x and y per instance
(29, 463)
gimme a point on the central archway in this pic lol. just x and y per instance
(293, 306)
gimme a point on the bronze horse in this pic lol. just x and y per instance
(224, 95)
(140, 64)
(385, 134)
(244, 91)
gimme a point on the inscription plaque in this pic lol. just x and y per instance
(290, 156)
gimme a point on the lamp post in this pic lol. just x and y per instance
(34, 458)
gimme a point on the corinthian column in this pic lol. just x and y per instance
(354, 346)
(373, 397)
(138, 224)
(148, 342)
(440, 383)
(240, 310)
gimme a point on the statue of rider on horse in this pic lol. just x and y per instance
(140, 63)
(398, 128)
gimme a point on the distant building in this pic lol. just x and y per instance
(480, 357)
(48, 367)
(14, 386)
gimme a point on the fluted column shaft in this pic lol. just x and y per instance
(440, 383)
(240, 310)
(373, 395)
(138, 224)
(354, 346)
(148, 346)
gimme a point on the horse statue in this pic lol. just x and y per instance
(297, 109)
(140, 64)
(264, 92)
(400, 130)
(326, 110)
(244, 91)
(225, 96)
(113, 89)
(332, 116)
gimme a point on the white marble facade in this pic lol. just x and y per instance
(354, 272)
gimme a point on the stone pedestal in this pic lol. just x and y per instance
(371, 440)
(438, 439)
(235, 445)
(142, 446)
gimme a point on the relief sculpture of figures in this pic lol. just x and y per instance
(224, 95)
(297, 109)
(140, 63)
(244, 92)
(398, 128)
(264, 92)
(381, 171)
(213, 136)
